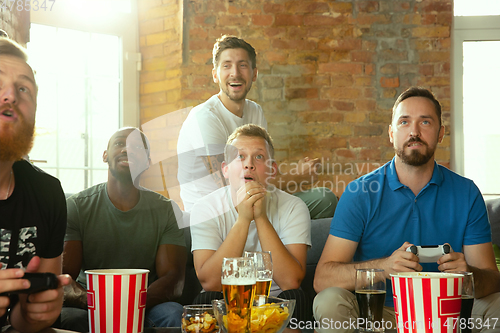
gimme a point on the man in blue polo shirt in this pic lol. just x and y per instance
(409, 201)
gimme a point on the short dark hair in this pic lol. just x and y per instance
(232, 42)
(11, 48)
(251, 130)
(419, 92)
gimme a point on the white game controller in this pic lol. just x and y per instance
(429, 253)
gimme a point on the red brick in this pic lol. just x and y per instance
(434, 81)
(341, 93)
(340, 55)
(333, 143)
(198, 33)
(340, 44)
(273, 8)
(306, 7)
(342, 80)
(343, 106)
(369, 19)
(439, 7)
(434, 56)
(347, 153)
(369, 69)
(301, 93)
(362, 56)
(233, 20)
(389, 82)
(288, 20)
(274, 32)
(393, 55)
(319, 105)
(341, 7)
(426, 70)
(321, 20)
(365, 105)
(367, 6)
(341, 68)
(275, 56)
(260, 20)
(368, 130)
(293, 44)
(431, 32)
(201, 45)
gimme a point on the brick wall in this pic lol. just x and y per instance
(329, 71)
(16, 24)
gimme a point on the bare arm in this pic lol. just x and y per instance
(44, 307)
(289, 262)
(213, 164)
(74, 294)
(478, 259)
(171, 268)
(336, 269)
(208, 263)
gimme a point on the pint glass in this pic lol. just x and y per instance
(238, 286)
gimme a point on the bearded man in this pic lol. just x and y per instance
(32, 204)
(409, 201)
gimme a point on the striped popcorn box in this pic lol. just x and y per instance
(116, 300)
(427, 302)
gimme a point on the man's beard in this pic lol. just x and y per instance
(415, 158)
(235, 97)
(16, 143)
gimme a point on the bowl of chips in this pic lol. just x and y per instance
(199, 319)
(268, 315)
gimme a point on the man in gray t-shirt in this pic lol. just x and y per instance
(121, 225)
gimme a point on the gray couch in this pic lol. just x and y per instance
(319, 233)
(493, 206)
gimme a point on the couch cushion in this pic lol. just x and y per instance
(493, 206)
(320, 229)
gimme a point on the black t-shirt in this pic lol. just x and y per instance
(35, 213)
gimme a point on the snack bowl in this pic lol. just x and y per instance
(268, 315)
(199, 319)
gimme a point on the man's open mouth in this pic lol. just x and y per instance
(235, 84)
(249, 178)
(8, 113)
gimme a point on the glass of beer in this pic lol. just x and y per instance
(238, 287)
(370, 291)
(467, 301)
(264, 267)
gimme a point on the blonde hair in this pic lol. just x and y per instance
(251, 130)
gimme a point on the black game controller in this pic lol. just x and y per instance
(39, 282)
(429, 253)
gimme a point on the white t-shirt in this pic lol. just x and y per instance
(204, 133)
(213, 216)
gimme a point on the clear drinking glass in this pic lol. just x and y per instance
(370, 294)
(264, 267)
(199, 318)
(238, 286)
(467, 301)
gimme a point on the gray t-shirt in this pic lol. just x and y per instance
(115, 239)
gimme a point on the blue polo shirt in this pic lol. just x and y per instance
(380, 213)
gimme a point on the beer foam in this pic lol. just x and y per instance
(238, 281)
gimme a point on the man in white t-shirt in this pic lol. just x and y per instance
(252, 215)
(204, 133)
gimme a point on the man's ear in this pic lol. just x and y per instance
(214, 75)
(225, 169)
(441, 134)
(274, 169)
(390, 134)
(255, 74)
(105, 156)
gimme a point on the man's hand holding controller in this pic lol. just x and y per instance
(429, 253)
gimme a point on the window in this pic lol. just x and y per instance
(79, 79)
(87, 71)
(476, 135)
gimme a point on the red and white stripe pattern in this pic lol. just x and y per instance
(116, 300)
(427, 302)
